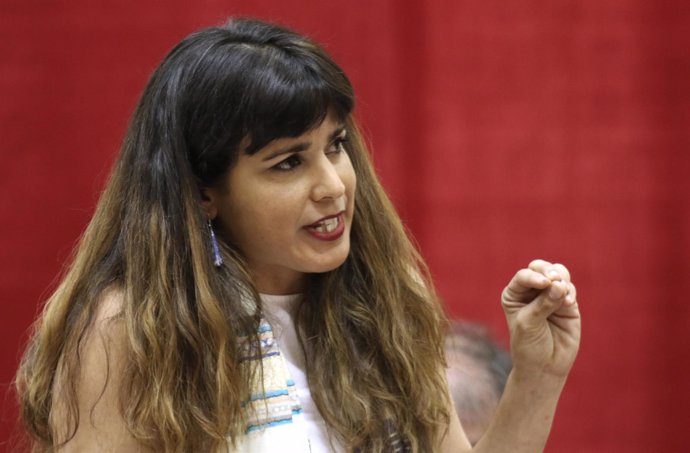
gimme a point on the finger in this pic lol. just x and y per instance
(527, 278)
(548, 301)
(562, 271)
(540, 266)
(554, 272)
(571, 296)
(558, 290)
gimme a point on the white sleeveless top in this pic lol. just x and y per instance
(286, 418)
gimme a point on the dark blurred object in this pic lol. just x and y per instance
(477, 372)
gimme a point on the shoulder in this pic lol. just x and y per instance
(95, 385)
(105, 337)
(106, 333)
(102, 350)
(109, 306)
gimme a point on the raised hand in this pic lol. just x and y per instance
(541, 308)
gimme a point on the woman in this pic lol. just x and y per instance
(246, 284)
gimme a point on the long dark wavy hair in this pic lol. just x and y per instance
(372, 329)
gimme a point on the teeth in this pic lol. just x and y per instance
(327, 226)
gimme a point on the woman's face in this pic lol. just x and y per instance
(289, 207)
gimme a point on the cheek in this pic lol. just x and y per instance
(347, 174)
(240, 218)
(350, 181)
(264, 217)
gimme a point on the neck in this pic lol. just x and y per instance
(279, 283)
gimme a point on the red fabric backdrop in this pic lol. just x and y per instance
(503, 130)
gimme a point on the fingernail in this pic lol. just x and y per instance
(553, 274)
(554, 292)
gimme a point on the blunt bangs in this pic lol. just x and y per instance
(288, 96)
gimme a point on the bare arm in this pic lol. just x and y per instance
(544, 321)
(101, 428)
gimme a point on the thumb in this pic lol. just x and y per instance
(547, 302)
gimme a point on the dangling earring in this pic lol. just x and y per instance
(217, 259)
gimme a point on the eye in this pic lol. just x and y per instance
(290, 163)
(338, 145)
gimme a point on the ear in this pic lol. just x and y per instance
(209, 200)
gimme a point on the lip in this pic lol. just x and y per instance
(331, 235)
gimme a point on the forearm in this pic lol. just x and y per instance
(523, 419)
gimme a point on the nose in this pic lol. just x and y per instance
(327, 181)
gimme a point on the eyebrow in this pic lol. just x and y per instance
(299, 147)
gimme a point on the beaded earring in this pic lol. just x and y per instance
(217, 259)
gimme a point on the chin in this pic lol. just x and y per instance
(330, 264)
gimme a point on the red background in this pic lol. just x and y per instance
(503, 130)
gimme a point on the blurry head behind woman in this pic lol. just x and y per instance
(372, 328)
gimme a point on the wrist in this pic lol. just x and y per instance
(537, 377)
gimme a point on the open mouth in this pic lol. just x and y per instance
(329, 228)
(327, 225)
